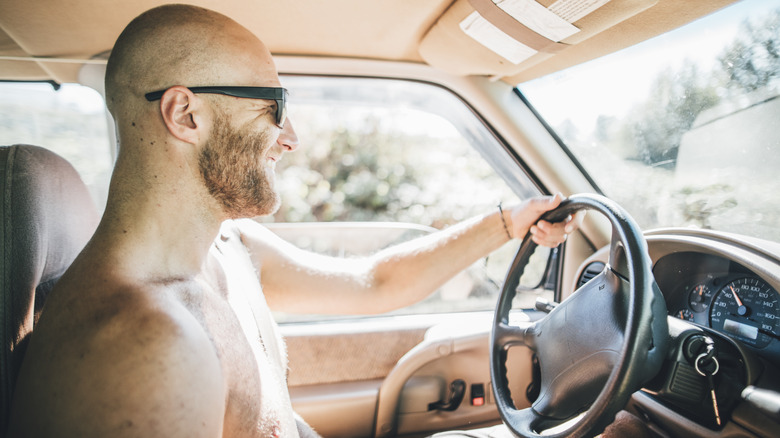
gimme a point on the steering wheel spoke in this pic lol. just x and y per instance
(617, 254)
(506, 335)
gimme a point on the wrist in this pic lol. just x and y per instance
(504, 220)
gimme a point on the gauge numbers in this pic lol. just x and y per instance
(748, 309)
(700, 297)
(685, 314)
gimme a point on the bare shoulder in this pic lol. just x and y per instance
(133, 362)
(267, 247)
(252, 233)
(264, 246)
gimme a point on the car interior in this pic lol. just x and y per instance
(662, 308)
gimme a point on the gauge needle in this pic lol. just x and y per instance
(742, 310)
(736, 297)
(769, 333)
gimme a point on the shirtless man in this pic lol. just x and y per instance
(160, 327)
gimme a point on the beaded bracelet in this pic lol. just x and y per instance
(503, 221)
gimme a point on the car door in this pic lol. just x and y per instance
(383, 161)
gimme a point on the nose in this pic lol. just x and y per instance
(287, 138)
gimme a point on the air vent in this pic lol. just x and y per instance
(593, 269)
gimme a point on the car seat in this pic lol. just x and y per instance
(47, 218)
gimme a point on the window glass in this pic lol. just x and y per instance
(71, 121)
(682, 130)
(381, 162)
(384, 161)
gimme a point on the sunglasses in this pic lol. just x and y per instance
(277, 94)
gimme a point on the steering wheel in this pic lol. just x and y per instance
(597, 347)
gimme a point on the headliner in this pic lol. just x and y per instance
(415, 31)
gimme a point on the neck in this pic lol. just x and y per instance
(159, 221)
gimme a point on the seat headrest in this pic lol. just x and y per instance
(47, 217)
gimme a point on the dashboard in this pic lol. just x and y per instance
(722, 289)
(721, 282)
(724, 295)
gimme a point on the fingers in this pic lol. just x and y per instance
(575, 222)
(544, 204)
(550, 234)
(527, 213)
(525, 216)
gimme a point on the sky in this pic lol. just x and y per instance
(78, 97)
(582, 93)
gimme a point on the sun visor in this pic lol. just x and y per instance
(504, 37)
(17, 70)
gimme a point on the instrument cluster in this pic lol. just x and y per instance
(714, 292)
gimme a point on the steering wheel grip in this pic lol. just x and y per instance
(610, 334)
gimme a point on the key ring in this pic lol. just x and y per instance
(704, 355)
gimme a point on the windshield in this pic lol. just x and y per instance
(681, 130)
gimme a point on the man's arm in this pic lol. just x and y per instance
(299, 281)
(149, 371)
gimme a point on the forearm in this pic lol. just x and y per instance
(407, 273)
(297, 281)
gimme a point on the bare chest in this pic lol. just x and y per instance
(250, 350)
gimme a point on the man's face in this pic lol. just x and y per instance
(236, 169)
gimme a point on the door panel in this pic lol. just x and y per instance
(377, 377)
(343, 409)
(335, 357)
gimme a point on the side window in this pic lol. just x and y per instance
(384, 161)
(71, 120)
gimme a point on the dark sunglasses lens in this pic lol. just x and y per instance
(281, 113)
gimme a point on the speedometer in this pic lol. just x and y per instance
(747, 309)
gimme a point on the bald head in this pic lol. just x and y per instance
(182, 45)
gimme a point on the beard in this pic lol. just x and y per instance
(232, 164)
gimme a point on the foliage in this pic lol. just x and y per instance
(350, 180)
(374, 164)
(752, 61)
(701, 204)
(635, 156)
(652, 130)
(658, 124)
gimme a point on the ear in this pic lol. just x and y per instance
(180, 112)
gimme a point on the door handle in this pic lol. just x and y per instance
(457, 392)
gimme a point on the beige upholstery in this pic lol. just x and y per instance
(47, 218)
(38, 39)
